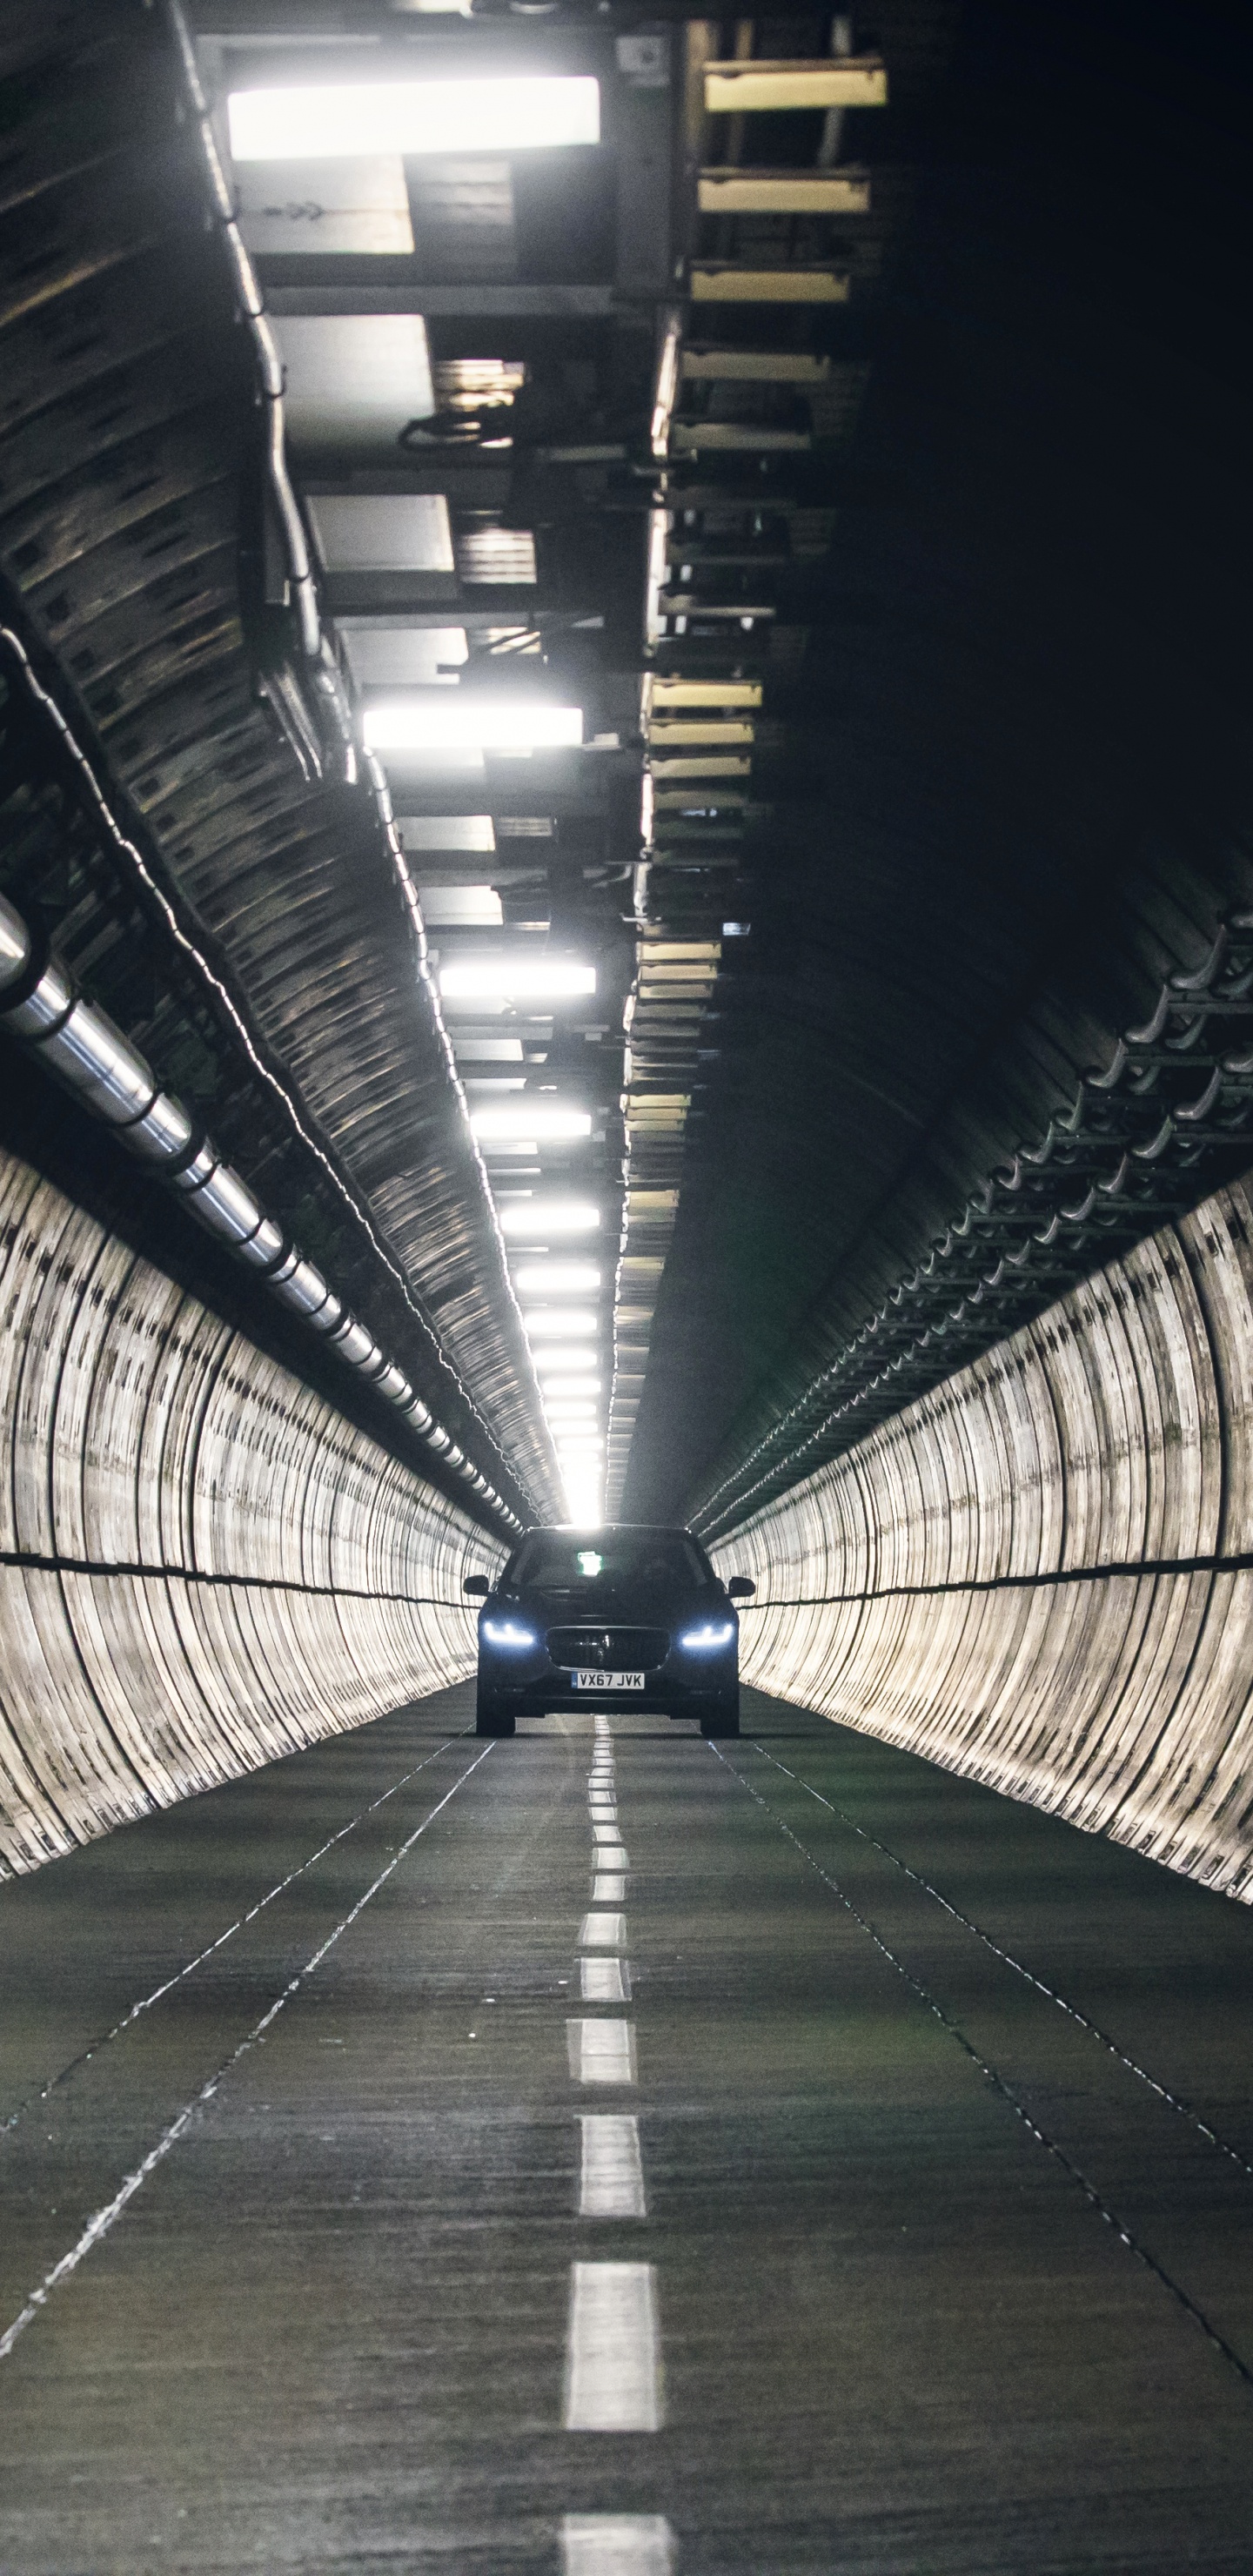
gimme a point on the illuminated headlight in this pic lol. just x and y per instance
(506, 1632)
(705, 1641)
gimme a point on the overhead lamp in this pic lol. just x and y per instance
(555, 1124)
(475, 720)
(551, 1323)
(545, 1364)
(571, 1409)
(535, 1219)
(515, 979)
(322, 123)
(555, 1278)
(568, 1356)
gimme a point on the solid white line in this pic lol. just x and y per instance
(609, 1891)
(613, 2361)
(602, 1932)
(240, 1924)
(604, 1981)
(611, 2179)
(616, 2544)
(601, 2052)
(105, 2218)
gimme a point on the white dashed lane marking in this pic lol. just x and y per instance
(601, 2052)
(604, 1981)
(602, 1932)
(609, 1891)
(613, 2364)
(616, 2544)
(611, 2180)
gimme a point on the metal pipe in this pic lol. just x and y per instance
(41, 1006)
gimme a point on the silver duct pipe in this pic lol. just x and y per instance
(41, 1006)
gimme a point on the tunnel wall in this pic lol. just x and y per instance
(1042, 1573)
(202, 1564)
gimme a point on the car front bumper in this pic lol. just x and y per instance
(674, 1689)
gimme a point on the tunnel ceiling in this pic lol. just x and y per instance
(845, 436)
(1004, 791)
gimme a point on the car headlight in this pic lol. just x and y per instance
(706, 1640)
(506, 1632)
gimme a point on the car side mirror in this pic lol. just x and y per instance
(477, 1586)
(740, 1589)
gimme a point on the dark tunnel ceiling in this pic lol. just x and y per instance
(1016, 757)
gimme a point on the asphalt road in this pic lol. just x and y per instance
(386, 2187)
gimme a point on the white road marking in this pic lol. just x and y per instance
(609, 1891)
(611, 2182)
(604, 1981)
(604, 1830)
(611, 1855)
(613, 2360)
(616, 2544)
(104, 2219)
(240, 1924)
(601, 2052)
(602, 1932)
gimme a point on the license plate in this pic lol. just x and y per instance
(608, 1681)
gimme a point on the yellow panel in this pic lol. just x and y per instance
(783, 192)
(660, 734)
(715, 765)
(755, 366)
(768, 286)
(706, 693)
(850, 80)
(734, 437)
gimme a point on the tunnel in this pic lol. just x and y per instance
(626, 924)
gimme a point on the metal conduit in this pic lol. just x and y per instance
(41, 1006)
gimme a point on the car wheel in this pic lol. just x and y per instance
(723, 1720)
(492, 1717)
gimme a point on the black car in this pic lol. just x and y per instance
(621, 1617)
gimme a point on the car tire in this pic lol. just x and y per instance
(491, 1717)
(723, 1720)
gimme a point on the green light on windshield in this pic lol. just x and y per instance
(588, 1561)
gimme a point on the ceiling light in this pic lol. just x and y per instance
(530, 1117)
(545, 1364)
(317, 123)
(472, 721)
(537, 1218)
(515, 979)
(569, 1356)
(550, 1323)
(570, 1410)
(555, 1278)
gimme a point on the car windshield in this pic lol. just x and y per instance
(649, 1564)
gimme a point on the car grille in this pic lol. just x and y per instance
(609, 1650)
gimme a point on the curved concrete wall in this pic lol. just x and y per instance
(1042, 1573)
(202, 1565)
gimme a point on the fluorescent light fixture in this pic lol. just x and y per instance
(556, 1278)
(530, 1116)
(472, 721)
(536, 1219)
(568, 1357)
(544, 1366)
(316, 123)
(552, 1323)
(515, 979)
